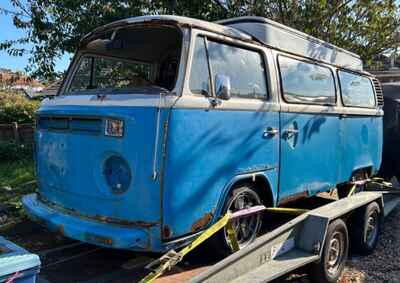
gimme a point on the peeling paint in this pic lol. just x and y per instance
(98, 218)
(98, 239)
(166, 232)
(200, 223)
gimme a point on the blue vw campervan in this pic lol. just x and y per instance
(164, 123)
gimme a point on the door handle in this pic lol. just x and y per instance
(290, 132)
(268, 132)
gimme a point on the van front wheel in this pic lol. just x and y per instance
(245, 228)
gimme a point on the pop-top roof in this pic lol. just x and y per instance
(287, 39)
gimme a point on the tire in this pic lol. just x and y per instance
(334, 255)
(246, 228)
(367, 224)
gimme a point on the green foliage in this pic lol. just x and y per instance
(16, 173)
(15, 108)
(15, 182)
(54, 27)
(10, 151)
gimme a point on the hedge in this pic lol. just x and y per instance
(15, 107)
(10, 151)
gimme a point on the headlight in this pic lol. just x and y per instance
(114, 128)
(117, 174)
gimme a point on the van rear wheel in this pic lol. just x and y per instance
(245, 228)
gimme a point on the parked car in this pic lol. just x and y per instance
(165, 123)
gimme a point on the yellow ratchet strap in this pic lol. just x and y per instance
(352, 190)
(287, 210)
(172, 258)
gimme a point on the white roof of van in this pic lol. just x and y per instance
(265, 31)
(287, 39)
(183, 21)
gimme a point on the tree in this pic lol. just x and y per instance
(54, 27)
(366, 27)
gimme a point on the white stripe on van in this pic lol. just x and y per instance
(201, 102)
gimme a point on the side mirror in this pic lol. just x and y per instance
(222, 87)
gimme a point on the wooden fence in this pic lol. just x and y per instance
(18, 133)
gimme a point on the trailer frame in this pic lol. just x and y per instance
(295, 244)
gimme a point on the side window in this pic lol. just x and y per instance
(245, 68)
(306, 82)
(199, 82)
(356, 90)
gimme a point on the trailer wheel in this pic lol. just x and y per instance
(367, 226)
(334, 254)
(245, 228)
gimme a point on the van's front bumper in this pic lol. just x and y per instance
(143, 238)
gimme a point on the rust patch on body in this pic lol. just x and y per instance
(166, 232)
(103, 219)
(99, 239)
(293, 198)
(200, 223)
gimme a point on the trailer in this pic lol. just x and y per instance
(319, 238)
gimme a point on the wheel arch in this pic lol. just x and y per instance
(263, 185)
(365, 169)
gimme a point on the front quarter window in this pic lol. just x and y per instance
(81, 79)
(199, 75)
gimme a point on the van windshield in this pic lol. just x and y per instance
(141, 60)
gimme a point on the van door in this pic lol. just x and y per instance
(208, 146)
(310, 139)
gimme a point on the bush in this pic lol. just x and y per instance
(16, 108)
(10, 151)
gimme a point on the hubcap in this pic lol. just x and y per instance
(335, 252)
(245, 228)
(372, 228)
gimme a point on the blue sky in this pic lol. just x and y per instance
(8, 31)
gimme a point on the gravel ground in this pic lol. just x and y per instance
(384, 264)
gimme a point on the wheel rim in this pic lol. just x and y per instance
(335, 253)
(245, 228)
(372, 228)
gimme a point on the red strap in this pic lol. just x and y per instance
(12, 278)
